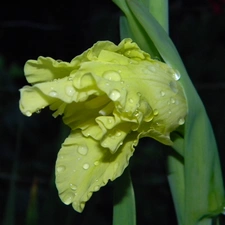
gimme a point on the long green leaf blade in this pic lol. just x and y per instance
(202, 165)
(124, 210)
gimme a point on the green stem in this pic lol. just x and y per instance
(159, 9)
(124, 211)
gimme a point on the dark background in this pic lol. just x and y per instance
(29, 146)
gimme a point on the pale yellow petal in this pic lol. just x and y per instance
(83, 167)
(32, 100)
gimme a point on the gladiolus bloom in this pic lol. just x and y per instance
(110, 96)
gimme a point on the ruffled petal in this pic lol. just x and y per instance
(47, 69)
(83, 167)
(110, 96)
(32, 100)
(145, 92)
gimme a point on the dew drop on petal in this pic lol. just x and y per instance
(151, 68)
(162, 93)
(82, 149)
(86, 166)
(155, 112)
(136, 113)
(73, 187)
(28, 113)
(176, 75)
(109, 120)
(172, 100)
(181, 121)
(70, 90)
(112, 75)
(114, 95)
(68, 198)
(96, 163)
(96, 188)
(118, 134)
(60, 169)
(38, 111)
(131, 100)
(173, 86)
(52, 93)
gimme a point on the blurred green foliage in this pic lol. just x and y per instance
(28, 146)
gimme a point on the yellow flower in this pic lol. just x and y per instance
(110, 96)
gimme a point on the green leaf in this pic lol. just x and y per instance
(130, 27)
(124, 212)
(204, 193)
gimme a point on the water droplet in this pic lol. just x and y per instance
(86, 166)
(172, 100)
(169, 112)
(109, 120)
(52, 93)
(107, 83)
(68, 198)
(82, 149)
(176, 75)
(162, 93)
(70, 78)
(128, 52)
(70, 90)
(96, 163)
(151, 68)
(60, 169)
(28, 113)
(38, 111)
(114, 95)
(139, 94)
(136, 113)
(73, 187)
(173, 86)
(118, 134)
(131, 100)
(112, 75)
(181, 121)
(96, 188)
(122, 82)
(155, 112)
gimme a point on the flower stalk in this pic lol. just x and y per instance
(194, 171)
